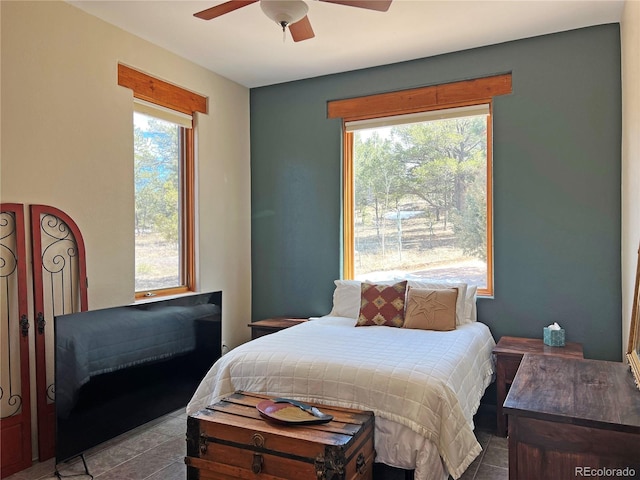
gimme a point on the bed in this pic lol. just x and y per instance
(424, 386)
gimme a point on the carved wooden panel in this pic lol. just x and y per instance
(60, 287)
(15, 399)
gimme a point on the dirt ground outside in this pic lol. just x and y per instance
(427, 251)
(417, 247)
(157, 262)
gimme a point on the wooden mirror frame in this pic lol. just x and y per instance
(633, 351)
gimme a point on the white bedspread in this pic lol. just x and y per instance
(430, 382)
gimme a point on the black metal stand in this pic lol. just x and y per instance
(58, 475)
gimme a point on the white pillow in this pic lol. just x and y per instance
(346, 298)
(471, 314)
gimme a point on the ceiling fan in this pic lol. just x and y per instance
(289, 13)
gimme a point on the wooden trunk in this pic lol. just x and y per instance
(230, 440)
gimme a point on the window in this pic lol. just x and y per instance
(164, 183)
(417, 183)
(420, 196)
(159, 163)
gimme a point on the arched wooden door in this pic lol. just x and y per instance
(15, 398)
(60, 287)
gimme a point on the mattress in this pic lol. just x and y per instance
(424, 385)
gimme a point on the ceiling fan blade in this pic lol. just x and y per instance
(301, 30)
(223, 8)
(379, 5)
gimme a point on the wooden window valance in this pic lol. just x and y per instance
(422, 99)
(165, 94)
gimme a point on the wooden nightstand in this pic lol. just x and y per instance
(271, 325)
(509, 352)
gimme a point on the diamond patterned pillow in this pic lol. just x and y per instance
(382, 304)
(431, 309)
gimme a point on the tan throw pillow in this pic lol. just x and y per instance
(382, 304)
(431, 309)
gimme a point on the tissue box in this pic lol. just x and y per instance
(553, 338)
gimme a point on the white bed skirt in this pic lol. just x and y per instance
(399, 446)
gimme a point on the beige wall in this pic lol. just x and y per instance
(630, 33)
(67, 141)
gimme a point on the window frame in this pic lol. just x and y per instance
(431, 98)
(151, 89)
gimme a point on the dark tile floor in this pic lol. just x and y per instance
(156, 452)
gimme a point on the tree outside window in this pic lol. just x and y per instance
(157, 164)
(420, 200)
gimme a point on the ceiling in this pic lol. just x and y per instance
(250, 49)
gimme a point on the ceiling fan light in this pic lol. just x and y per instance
(284, 12)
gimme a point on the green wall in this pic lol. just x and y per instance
(557, 184)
